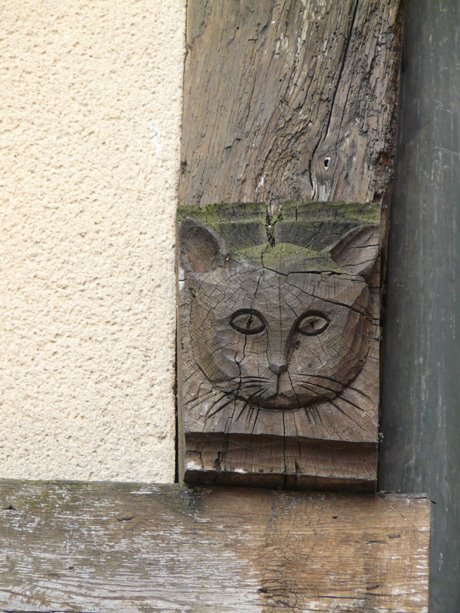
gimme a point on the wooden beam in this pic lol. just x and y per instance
(285, 103)
(289, 100)
(135, 547)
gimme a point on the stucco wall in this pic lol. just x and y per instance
(90, 129)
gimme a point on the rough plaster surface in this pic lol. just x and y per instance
(90, 127)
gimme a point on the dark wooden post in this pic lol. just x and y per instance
(421, 391)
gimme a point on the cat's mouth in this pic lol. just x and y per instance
(286, 399)
(289, 400)
(281, 401)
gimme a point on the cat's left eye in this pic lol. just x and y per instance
(312, 323)
(247, 322)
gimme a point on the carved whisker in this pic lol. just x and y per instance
(336, 388)
(293, 390)
(220, 408)
(342, 397)
(307, 413)
(255, 420)
(316, 413)
(318, 376)
(344, 413)
(249, 378)
(200, 398)
(311, 386)
(252, 381)
(248, 401)
(231, 391)
(324, 387)
(358, 391)
(222, 395)
(250, 386)
(242, 411)
(253, 377)
(313, 415)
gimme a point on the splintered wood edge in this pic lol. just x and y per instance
(119, 546)
(271, 461)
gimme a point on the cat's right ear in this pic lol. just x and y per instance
(201, 250)
(357, 251)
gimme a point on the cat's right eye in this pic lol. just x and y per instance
(312, 323)
(247, 321)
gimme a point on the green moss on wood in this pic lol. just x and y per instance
(298, 232)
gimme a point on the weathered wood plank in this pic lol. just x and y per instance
(421, 383)
(289, 100)
(284, 100)
(278, 379)
(128, 547)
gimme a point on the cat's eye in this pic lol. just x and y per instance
(312, 323)
(248, 321)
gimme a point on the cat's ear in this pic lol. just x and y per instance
(357, 251)
(201, 250)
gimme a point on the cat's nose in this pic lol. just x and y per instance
(278, 366)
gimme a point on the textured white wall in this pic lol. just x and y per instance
(90, 127)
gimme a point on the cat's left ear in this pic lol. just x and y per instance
(201, 249)
(357, 251)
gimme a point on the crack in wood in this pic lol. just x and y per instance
(276, 347)
(295, 101)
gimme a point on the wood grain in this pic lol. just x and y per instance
(127, 547)
(284, 404)
(289, 100)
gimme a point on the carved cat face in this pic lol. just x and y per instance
(283, 333)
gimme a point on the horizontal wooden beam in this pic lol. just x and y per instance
(131, 547)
